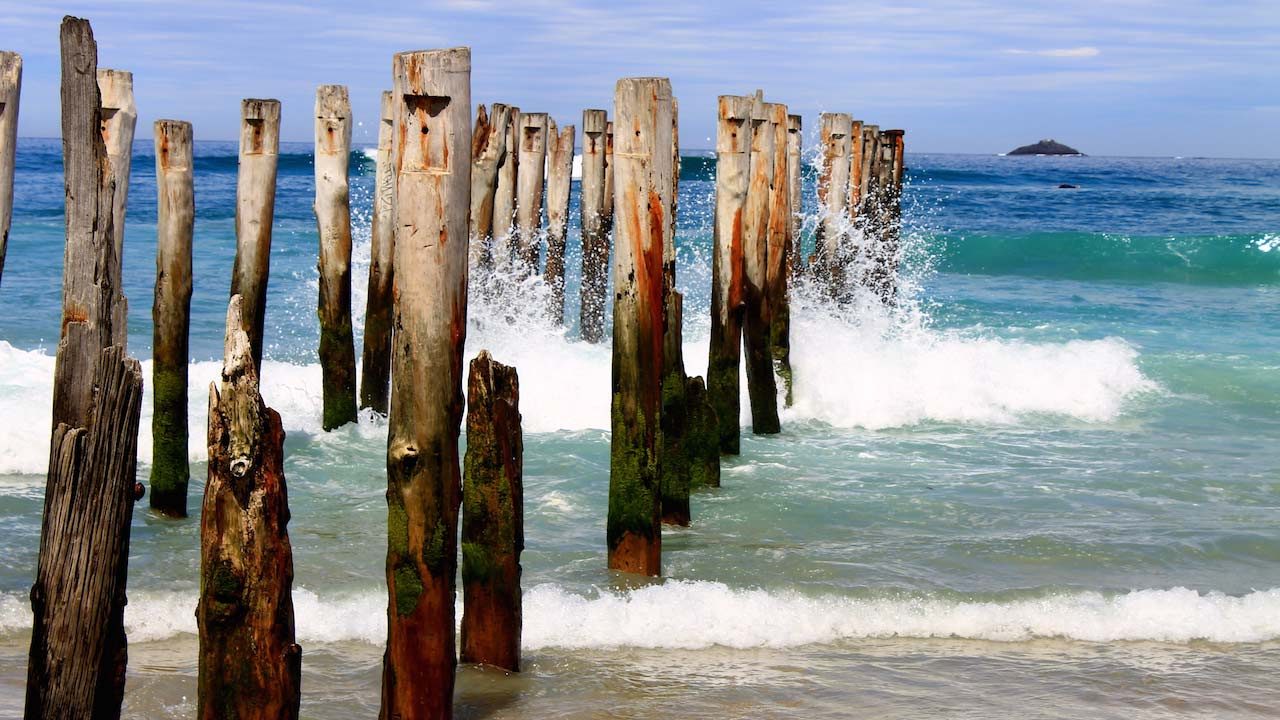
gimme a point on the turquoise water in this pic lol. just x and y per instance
(1046, 485)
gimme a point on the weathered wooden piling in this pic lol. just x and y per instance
(78, 647)
(492, 516)
(833, 188)
(702, 437)
(762, 389)
(595, 237)
(10, 92)
(857, 144)
(171, 316)
(795, 185)
(333, 220)
(559, 181)
(502, 249)
(255, 212)
(673, 463)
(375, 378)
(119, 121)
(882, 275)
(433, 131)
(777, 300)
(642, 175)
(488, 150)
(608, 178)
(867, 190)
(728, 291)
(250, 666)
(530, 180)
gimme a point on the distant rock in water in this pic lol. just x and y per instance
(1068, 186)
(1046, 147)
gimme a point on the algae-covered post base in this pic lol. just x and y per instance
(255, 211)
(761, 387)
(559, 178)
(642, 176)
(492, 516)
(249, 665)
(375, 380)
(433, 181)
(702, 436)
(119, 120)
(674, 461)
(728, 292)
(595, 238)
(171, 316)
(10, 90)
(333, 221)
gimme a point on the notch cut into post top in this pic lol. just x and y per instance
(425, 81)
(837, 125)
(333, 115)
(533, 132)
(171, 135)
(259, 127)
(594, 122)
(735, 111)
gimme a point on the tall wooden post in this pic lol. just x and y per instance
(10, 91)
(884, 257)
(255, 212)
(608, 178)
(857, 145)
(488, 151)
(433, 131)
(375, 380)
(867, 189)
(642, 176)
(728, 283)
(559, 181)
(333, 220)
(795, 185)
(777, 301)
(119, 120)
(529, 189)
(761, 387)
(673, 465)
(492, 516)
(833, 189)
(171, 316)
(504, 198)
(250, 666)
(78, 647)
(595, 238)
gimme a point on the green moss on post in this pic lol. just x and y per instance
(702, 441)
(170, 474)
(674, 466)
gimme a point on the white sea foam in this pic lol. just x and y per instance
(695, 615)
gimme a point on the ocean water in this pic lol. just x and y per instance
(1045, 485)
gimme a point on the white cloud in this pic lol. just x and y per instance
(1084, 51)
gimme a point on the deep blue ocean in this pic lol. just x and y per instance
(1046, 484)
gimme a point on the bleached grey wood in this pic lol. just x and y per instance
(10, 92)
(530, 181)
(255, 212)
(559, 180)
(119, 121)
(504, 198)
(375, 378)
(595, 238)
(488, 151)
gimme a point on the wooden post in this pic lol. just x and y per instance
(867, 187)
(250, 666)
(674, 460)
(488, 151)
(642, 175)
(833, 191)
(608, 179)
(595, 237)
(78, 646)
(119, 120)
(702, 440)
(492, 516)
(504, 199)
(171, 316)
(777, 301)
(433, 131)
(728, 291)
(375, 380)
(10, 91)
(884, 267)
(559, 181)
(333, 220)
(255, 212)
(529, 189)
(795, 184)
(857, 145)
(761, 387)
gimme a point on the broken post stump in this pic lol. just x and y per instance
(642, 175)
(595, 237)
(333, 220)
(504, 198)
(488, 151)
(255, 212)
(171, 316)
(10, 91)
(375, 378)
(559, 181)
(762, 389)
(433, 105)
(492, 516)
(728, 299)
(778, 251)
(249, 666)
(119, 120)
(530, 170)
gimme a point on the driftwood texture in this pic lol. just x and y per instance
(778, 253)
(492, 516)
(119, 121)
(642, 176)
(504, 197)
(171, 316)
(433, 132)
(761, 387)
(333, 219)
(559, 180)
(255, 212)
(728, 282)
(10, 91)
(530, 169)
(78, 651)
(250, 667)
(488, 151)
(375, 380)
(595, 237)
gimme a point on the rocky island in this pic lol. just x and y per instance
(1045, 147)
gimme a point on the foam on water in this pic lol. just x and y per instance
(696, 615)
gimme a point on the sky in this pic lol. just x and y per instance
(1121, 77)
